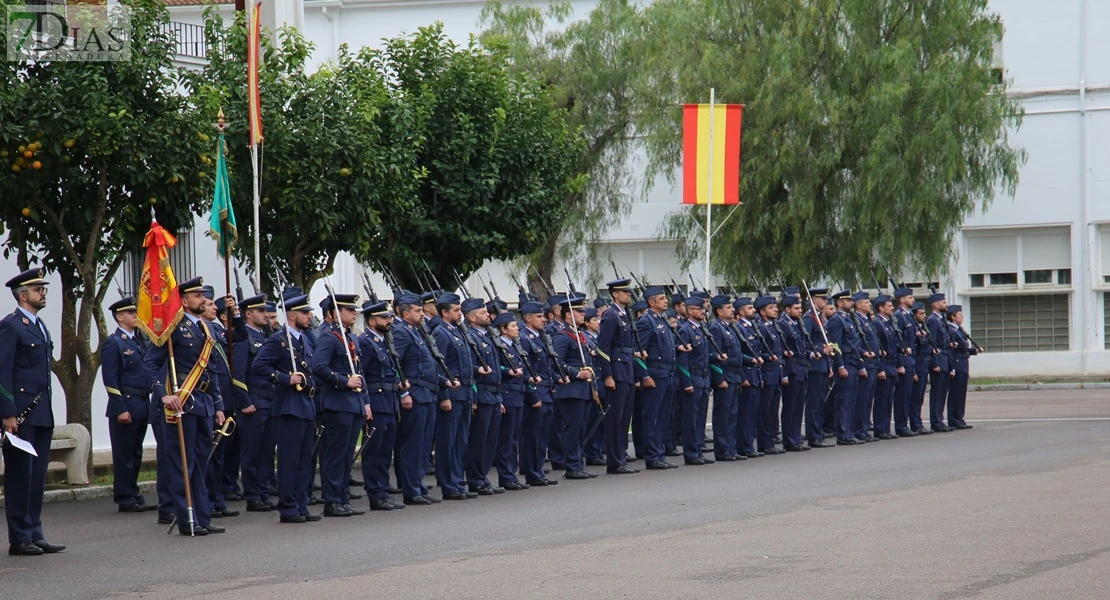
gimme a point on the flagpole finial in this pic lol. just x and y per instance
(153, 218)
(220, 120)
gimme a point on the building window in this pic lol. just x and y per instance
(182, 261)
(977, 280)
(1106, 321)
(1041, 256)
(1038, 276)
(1003, 278)
(1021, 323)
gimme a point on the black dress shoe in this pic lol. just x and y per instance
(259, 506)
(352, 482)
(963, 427)
(354, 511)
(497, 489)
(778, 439)
(906, 434)
(294, 519)
(312, 518)
(708, 460)
(428, 471)
(165, 519)
(621, 470)
(432, 500)
(551, 481)
(695, 461)
(482, 491)
(774, 451)
(335, 510)
(233, 497)
(672, 453)
(791, 448)
(885, 436)
(230, 513)
(727, 458)
(819, 445)
(397, 504)
(512, 486)
(197, 531)
(658, 465)
(450, 496)
(940, 429)
(394, 491)
(214, 528)
(47, 547)
(216, 514)
(354, 495)
(134, 508)
(24, 549)
(634, 458)
(753, 454)
(923, 431)
(381, 504)
(846, 442)
(471, 495)
(418, 500)
(313, 500)
(537, 482)
(596, 462)
(576, 475)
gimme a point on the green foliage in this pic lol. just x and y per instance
(117, 140)
(871, 129)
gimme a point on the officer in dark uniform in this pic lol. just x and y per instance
(574, 398)
(594, 447)
(254, 407)
(747, 418)
(451, 424)
(693, 382)
(865, 392)
(205, 401)
(385, 390)
(890, 367)
(661, 347)
(128, 385)
(923, 349)
(537, 346)
(639, 372)
(961, 349)
(486, 408)
(516, 394)
(800, 351)
(774, 375)
(346, 405)
(416, 429)
(821, 363)
(221, 364)
(284, 364)
(940, 368)
(727, 380)
(614, 339)
(904, 327)
(845, 336)
(25, 353)
(555, 326)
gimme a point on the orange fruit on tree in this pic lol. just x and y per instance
(28, 154)
(16, 168)
(36, 165)
(26, 211)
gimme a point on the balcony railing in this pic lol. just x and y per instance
(189, 38)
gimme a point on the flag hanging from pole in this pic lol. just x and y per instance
(721, 161)
(254, 95)
(221, 224)
(159, 302)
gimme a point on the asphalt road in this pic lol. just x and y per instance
(1016, 508)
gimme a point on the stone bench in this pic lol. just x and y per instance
(70, 446)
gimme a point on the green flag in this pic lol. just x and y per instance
(222, 222)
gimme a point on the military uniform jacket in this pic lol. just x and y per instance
(451, 343)
(748, 338)
(220, 364)
(888, 343)
(795, 340)
(693, 366)
(822, 363)
(962, 350)
(489, 386)
(938, 329)
(245, 350)
(534, 348)
(513, 389)
(614, 339)
(567, 352)
(902, 321)
(125, 376)
(659, 343)
(773, 371)
(378, 373)
(869, 340)
(732, 370)
(417, 363)
(330, 366)
(188, 340)
(923, 350)
(842, 332)
(272, 367)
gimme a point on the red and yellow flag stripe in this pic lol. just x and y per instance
(700, 161)
(254, 95)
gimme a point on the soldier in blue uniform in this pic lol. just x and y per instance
(384, 389)
(727, 379)
(486, 408)
(940, 367)
(416, 429)
(923, 349)
(128, 385)
(574, 398)
(961, 349)
(821, 363)
(865, 391)
(284, 364)
(517, 393)
(661, 347)
(221, 364)
(26, 349)
(198, 407)
(890, 367)
(903, 324)
(346, 407)
(639, 372)
(799, 352)
(747, 418)
(774, 375)
(555, 326)
(845, 336)
(451, 424)
(693, 382)
(594, 447)
(537, 347)
(253, 404)
(614, 339)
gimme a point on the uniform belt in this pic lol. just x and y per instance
(423, 384)
(466, 381)
(622, 350)
(385, 386)
(489, 387)
(700, 372)
(134, 391)
(654, 364)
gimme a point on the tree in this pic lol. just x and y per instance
(871, 130)
(89, 151)
(591, 67)
(339, 150)
(498, 153)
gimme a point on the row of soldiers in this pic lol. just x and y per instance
(489, 392)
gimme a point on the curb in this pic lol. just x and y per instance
(1021, 387)
(86, 493)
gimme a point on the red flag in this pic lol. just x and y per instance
(721, 162)
(254, 95)
(159, 302)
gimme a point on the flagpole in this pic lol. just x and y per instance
(225, 244)
(254, 129)
(256, 189)
(709, 193)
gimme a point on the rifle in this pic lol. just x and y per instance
(432, 278)
(578, 338)
(493, 287)
(817, 317)
(390, 348)
(465, 329)
(898, 328)
(342, 330)
(755, 326)
(424, 332)
(289, 338)
(693, 288)
(547, 286)
(674, 331)
(238, 286)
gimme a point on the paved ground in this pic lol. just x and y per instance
(1015, 509)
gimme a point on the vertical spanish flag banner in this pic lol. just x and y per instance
(159, 302)
(254, 96)
(711, 153)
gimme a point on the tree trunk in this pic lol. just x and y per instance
(544, 262)
(78, 361)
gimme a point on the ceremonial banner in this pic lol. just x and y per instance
(222, 224)
(159, 302)
(254, 95)
(711, 168)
